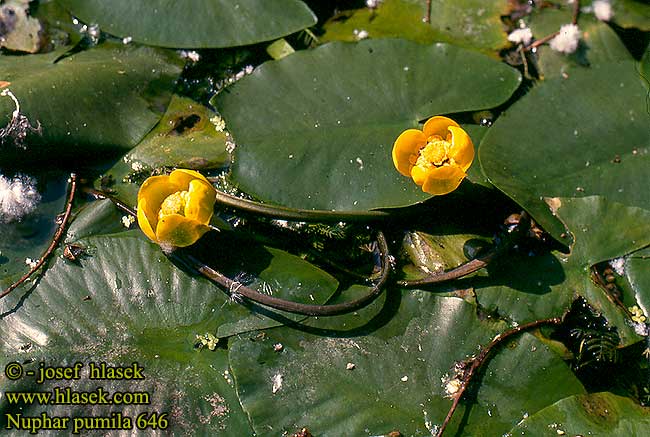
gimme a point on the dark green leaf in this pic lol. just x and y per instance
(192, 24)
(323, 122)
(103, 99)
(583, 135)
(399, 375)
(468, 23)
(590, 414)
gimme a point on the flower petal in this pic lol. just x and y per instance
(200, 202)
(182, 177)
(438, 125)
(176, 230)
(407, 144)
(462, 148)
(155, 190)
(419, 174)
(143, 221)
(443, 180)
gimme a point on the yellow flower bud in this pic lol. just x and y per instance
(436, 157)
(175, 210)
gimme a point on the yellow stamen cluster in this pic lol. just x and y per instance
(434, 154)
(174, 204)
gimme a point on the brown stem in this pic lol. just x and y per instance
(460, 271)
(613, 297)
(521, 231)
(55, 240)
(236, 288)
(574, 20)
(427, 17)
(576, 11)
(477, 362)
(539, 42)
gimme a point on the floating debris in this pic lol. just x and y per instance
(277, 383)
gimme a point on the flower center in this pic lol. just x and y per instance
(174, 204)
(434, 154)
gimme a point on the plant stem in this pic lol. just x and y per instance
(476, 264)
(236, 288)
(574, 20)
(55, 240)
(478, 361)
(300, 215)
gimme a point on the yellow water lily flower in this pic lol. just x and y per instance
(436, 157)
(174, 210)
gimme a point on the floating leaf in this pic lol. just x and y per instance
(327, 118)
(599, 43)
(185, 137)
(191, 24)
(589, 414)
(468, 23)
(101, 100)
(394, 375)
(544, 285)
(583, 135)
(157, 310)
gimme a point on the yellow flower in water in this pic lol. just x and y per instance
(174, 210)
(436, 157)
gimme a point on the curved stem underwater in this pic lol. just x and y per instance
(299, 215)
(235, 287)
(273, 302)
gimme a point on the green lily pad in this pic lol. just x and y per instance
(97, 101)
(544, 286)
(327, 118)
(149, 322)
(157, 312)
(599, 43)
(632, 13)
(185, 137)
(590, 414)
(580, 136)
(468, 23)
(191, 24)
(395, 375)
